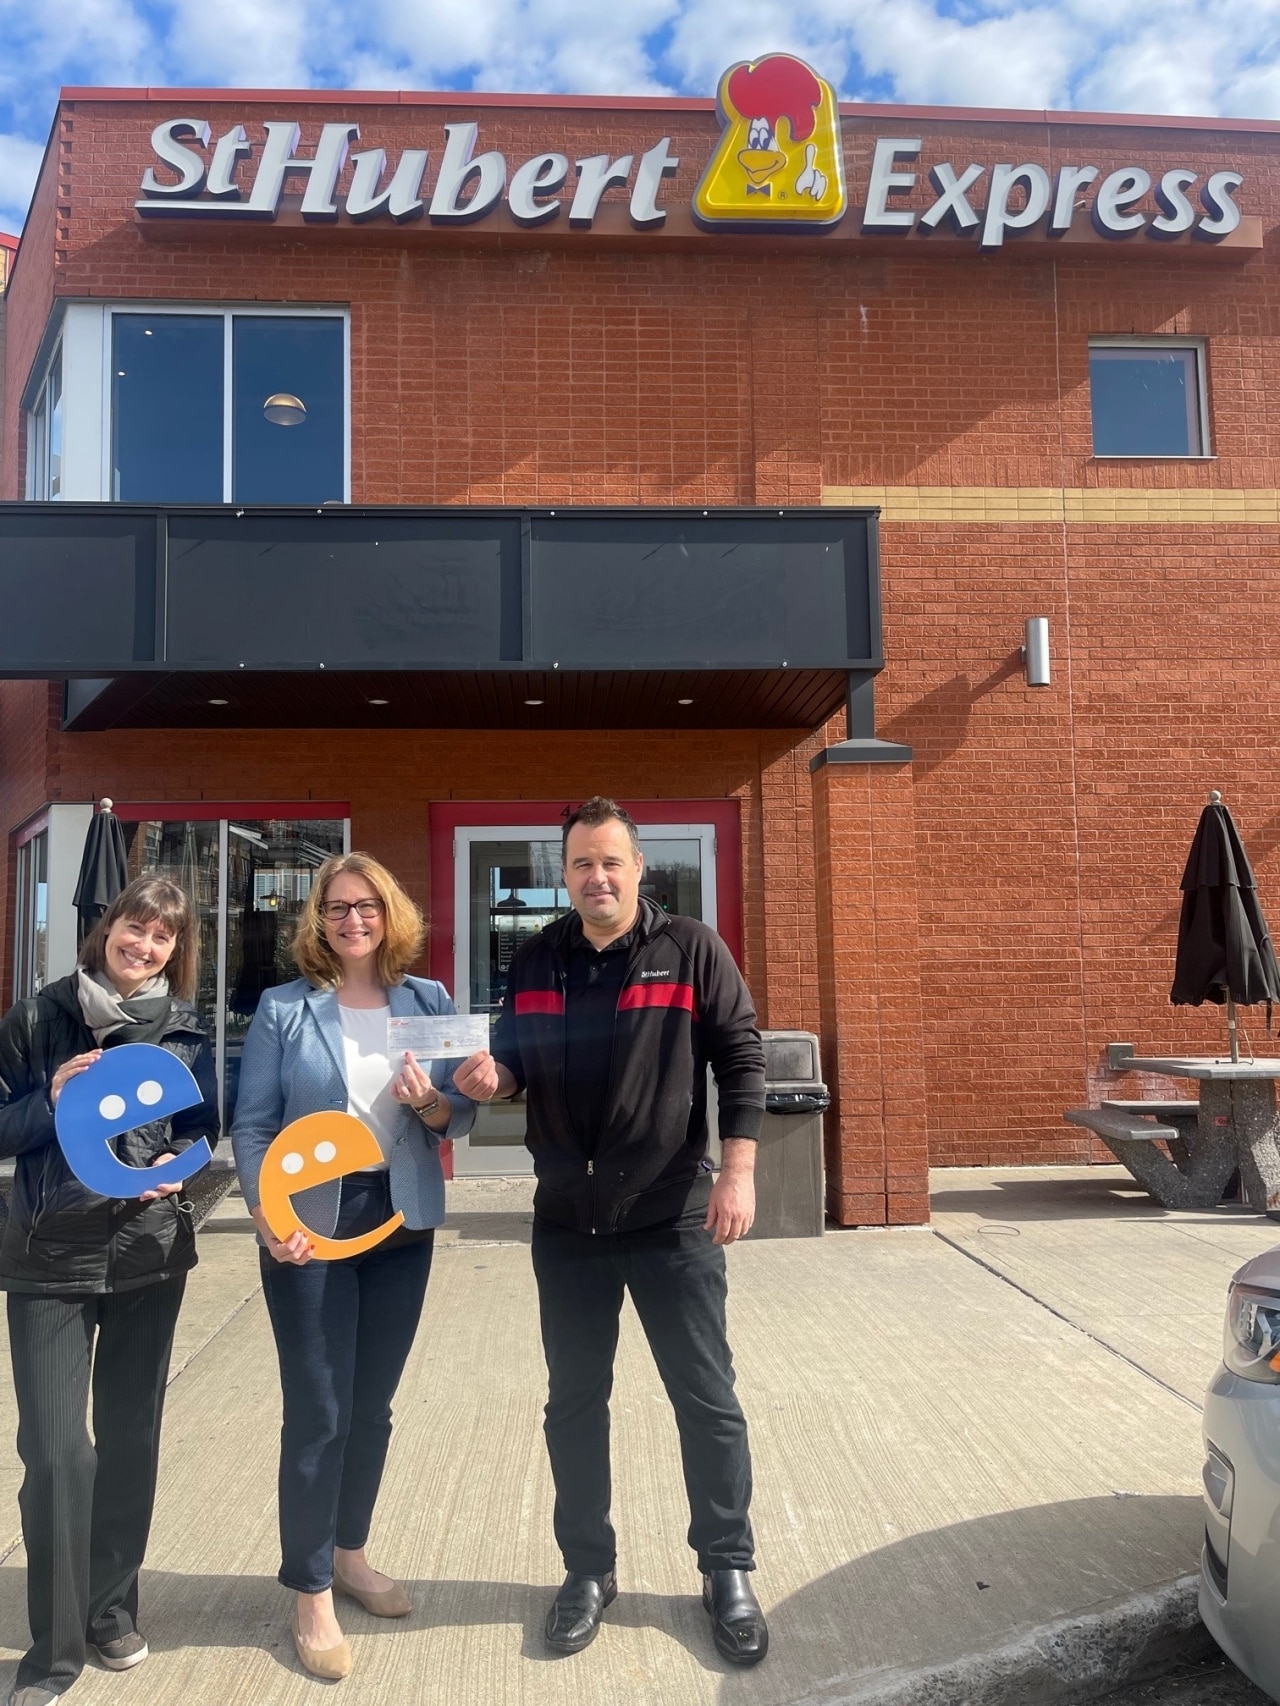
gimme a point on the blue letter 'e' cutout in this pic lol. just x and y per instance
(130, 1086)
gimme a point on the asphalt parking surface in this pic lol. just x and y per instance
(1214, 1682)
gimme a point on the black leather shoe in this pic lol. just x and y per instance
(576, 1611)
(737, 1623)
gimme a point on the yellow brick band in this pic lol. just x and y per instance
(1105, 506)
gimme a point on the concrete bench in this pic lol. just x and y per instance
(1171, 1112)
(1195, 1172)
(1112, 1125)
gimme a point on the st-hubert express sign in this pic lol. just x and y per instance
(778, 163)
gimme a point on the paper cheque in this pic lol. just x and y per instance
(450, 1036)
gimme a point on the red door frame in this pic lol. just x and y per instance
(446, 816)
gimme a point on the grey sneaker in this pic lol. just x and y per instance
(123, 1654)
(31, 1696)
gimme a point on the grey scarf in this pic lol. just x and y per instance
(106, 1010)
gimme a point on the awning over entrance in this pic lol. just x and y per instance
(353, 616)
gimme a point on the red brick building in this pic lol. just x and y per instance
(1026, 358)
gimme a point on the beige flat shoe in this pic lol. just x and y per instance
(331, 1664)
(389, 1602)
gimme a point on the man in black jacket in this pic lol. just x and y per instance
(611, 1017)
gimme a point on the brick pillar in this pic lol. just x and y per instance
(869, 992)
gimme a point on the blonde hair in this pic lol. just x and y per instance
(148, 900)
(403, 927)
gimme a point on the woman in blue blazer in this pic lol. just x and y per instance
(343, 1329)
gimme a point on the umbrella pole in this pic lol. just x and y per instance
(1231, 1026)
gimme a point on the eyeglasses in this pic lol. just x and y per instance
(336, 910)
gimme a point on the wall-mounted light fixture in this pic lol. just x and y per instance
(1035, 654)
(282, 408)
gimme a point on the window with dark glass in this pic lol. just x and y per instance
(1147, 399)
(222, 407)
(166, 408)
(288, 421)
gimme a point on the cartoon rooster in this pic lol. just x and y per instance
(779, 157)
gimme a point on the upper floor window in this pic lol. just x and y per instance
(1148, 397)
(44, 436)
(228, 407)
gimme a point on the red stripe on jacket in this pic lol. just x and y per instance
(658, 995)
(538, 1001)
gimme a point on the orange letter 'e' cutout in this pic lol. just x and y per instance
(315, 1150)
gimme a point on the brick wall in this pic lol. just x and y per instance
(1049, 827)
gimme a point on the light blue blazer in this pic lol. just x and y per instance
(293, 1064)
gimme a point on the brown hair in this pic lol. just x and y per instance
(403, 925)
(592, 813)
(147, 900)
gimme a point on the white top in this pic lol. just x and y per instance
(370, 1074)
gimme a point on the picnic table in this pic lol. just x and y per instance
(1234, 1126)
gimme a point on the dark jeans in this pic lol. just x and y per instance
(343, 1333)
(676, 1277)
(86, 1505)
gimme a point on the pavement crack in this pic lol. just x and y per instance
(1103, 1344)
(204, 1344)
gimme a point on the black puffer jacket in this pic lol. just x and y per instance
(60, 1236)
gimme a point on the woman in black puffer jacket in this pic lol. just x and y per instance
(78, 1266)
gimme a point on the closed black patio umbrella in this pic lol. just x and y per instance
(1224, 946)
(104, 869)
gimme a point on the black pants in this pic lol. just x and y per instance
(676, 1277)
(343, 1332)
(86, 1505)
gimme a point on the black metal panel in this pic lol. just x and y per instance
(496, 699)
(75, 589)
(343, 590)
(710, 590)
(481, 618)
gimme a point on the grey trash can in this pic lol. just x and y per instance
(789, 1178)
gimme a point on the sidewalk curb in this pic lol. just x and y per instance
(1065, 1663)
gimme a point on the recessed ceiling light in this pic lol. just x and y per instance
(378, 701)
(684, 701)
(217, 701)
(533, 701)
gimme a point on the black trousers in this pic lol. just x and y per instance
(676, 1277)
(86, 1505)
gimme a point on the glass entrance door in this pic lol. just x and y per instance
(247, 878)
(507, 888)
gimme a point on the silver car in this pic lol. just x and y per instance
(1240, 1563)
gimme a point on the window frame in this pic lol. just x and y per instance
(227, 312)
(30, 848)
(39, 462)
(1169, 341)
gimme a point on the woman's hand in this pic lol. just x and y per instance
(69, 1069)
(295, 1249)
(413, 1087)
(161, 1190)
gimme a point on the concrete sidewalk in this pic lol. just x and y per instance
(961, 1436)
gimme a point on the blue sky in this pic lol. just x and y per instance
(1155, 56)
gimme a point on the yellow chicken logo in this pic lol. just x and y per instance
(779, 159)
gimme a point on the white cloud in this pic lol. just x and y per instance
(19, 163)
(1174, 56)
